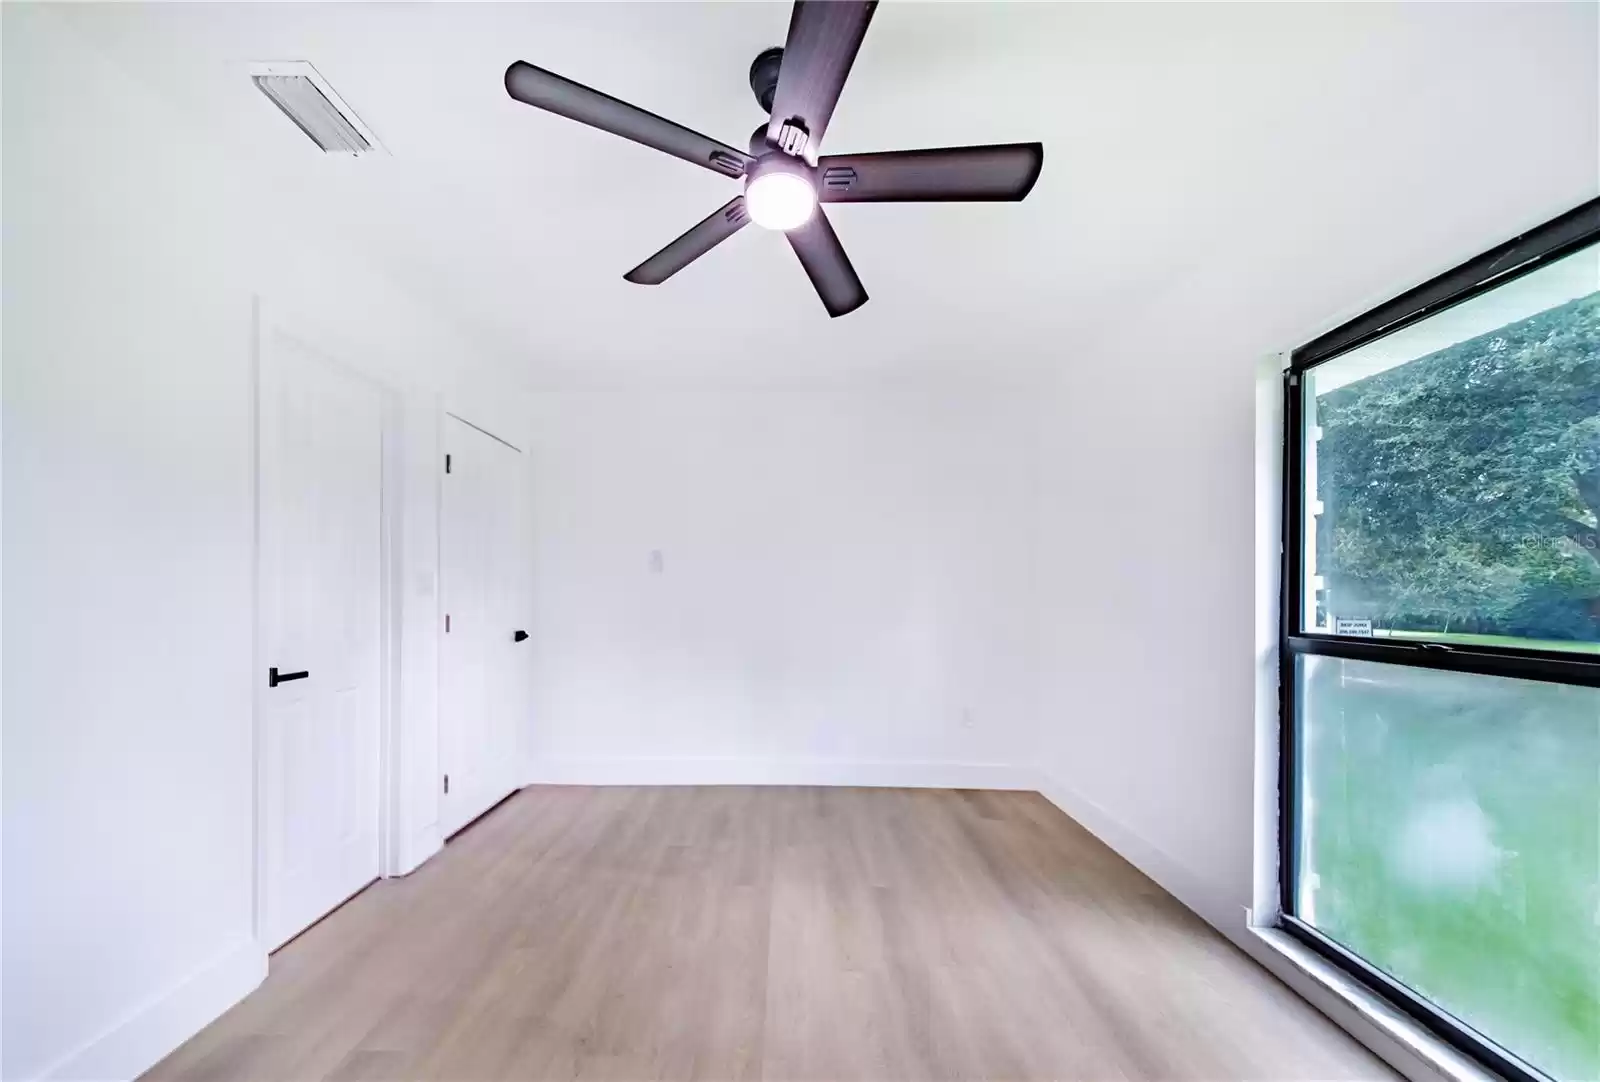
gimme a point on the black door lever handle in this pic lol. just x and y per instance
(518, 636)
(274, 677)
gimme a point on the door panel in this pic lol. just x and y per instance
(480, 687)
(321, 556)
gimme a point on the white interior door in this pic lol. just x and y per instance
(321, 557)
(481, 691)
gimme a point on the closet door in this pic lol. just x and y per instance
(482, 704)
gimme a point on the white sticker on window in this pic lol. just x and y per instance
(1361, 629)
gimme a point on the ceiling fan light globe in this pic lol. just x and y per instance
(780, 200)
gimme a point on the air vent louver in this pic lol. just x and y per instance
(307, 99)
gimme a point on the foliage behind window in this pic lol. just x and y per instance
(1462, 489)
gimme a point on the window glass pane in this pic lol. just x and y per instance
(1449, 833)
(1452, 472)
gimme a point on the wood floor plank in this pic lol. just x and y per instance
(768, 933)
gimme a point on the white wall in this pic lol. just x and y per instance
(133, 259)
(845, 586)
(1147, 607)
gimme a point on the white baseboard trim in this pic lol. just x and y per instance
(140, 1040)
(899, 775)
(1227, 917)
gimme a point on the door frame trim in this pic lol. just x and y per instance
(390, 531)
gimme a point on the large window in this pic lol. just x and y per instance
(1441, 652)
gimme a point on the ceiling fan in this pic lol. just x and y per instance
(784, 178)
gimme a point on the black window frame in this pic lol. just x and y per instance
(1578, 228)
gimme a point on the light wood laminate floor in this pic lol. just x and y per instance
(783, 933)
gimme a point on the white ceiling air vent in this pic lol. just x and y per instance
(306, 98)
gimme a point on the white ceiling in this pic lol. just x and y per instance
(1180, 141)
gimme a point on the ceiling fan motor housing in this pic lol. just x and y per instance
(764, 76)
(794, 137)
(773, 162)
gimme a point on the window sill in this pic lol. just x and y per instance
(1432, 1053)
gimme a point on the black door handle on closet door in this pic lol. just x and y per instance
(518, 636)
(274, 677)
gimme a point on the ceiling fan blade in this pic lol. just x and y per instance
(1005, 171)
(827, 266)
(722, 223)
(554, 93)
(824, 37)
